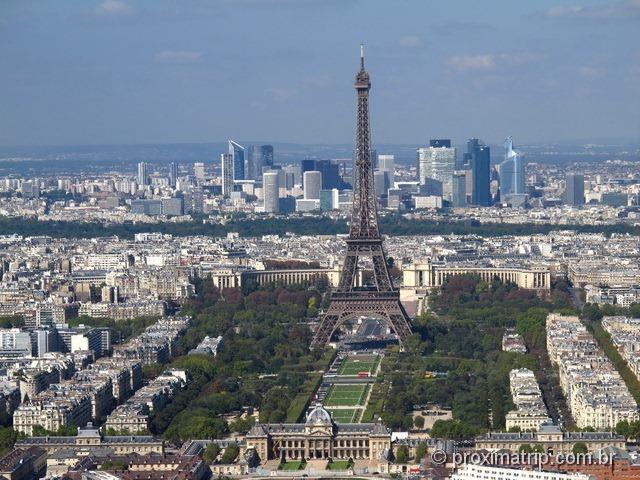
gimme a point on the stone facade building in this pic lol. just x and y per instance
(320, 438)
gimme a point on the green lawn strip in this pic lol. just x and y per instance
(301, 401)
(339, 465)
(376, 402)
(604, 340)
(290, 466)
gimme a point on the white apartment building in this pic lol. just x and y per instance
(596, 394)
(481, 472)
(625, 335)
(530, 412)
(15, 341)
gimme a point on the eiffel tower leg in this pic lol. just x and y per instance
(328, 324)
(398, 319)
(389, 311)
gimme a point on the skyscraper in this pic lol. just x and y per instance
(306, 165)
(266, 152)
(330, 173)
(480, 173)
(381, 182)
(459, 189)
(237, 152)
(173, 174)
(143, 176)
(574, 189)
(227, 173)
(198, 171)
(387, 162)
(270, 192)
(312, 184)
(258, 159)
(472, 144)
(512, 171)
(437, 161)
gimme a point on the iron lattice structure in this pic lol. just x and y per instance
(382, 300)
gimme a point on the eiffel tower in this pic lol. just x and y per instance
(381, 301)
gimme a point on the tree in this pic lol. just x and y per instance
(211, 453)
(526, 448)
(579, 447)
(419, 422)
(402, 454)
(421, 450)
(230, 453)
(624, 428)
(7, 438)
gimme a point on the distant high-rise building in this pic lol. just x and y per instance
(459, 189)
(472, 144)
(259, 158)
(173, 206)
(381, 182)
(227, 173)
(287, 204)
(237, 152)
(306, 165)
(330, 173)
(292, 172)
(289, 180)
(440, 143)
(266, 152)
(387, 162)
(173, 174)
(329, 199)
(270, 192)
(512, 171)
(312, 184)
(480, 173)
(198, 172)
(438, 161)
(431, 187)
(143, 176)
(574, 189)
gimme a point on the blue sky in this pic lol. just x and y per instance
(125, 71)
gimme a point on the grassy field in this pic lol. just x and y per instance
(288, 466)
(339, 465)
(347, 415)
(355, 365)
(347, 395)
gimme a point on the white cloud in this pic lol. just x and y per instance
(113, 8)
(591, 72)
(319, 81)
(620, 9)
(564, 11)
(280, 94)
(178, 57)
(472, 62)
(410, 41)
(489, 61)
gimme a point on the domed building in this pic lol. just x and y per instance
(319, 437)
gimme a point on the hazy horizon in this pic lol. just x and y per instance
(140, 72)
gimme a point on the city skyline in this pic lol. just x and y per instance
(488, 71)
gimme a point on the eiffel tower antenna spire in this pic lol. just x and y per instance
(381, 300)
